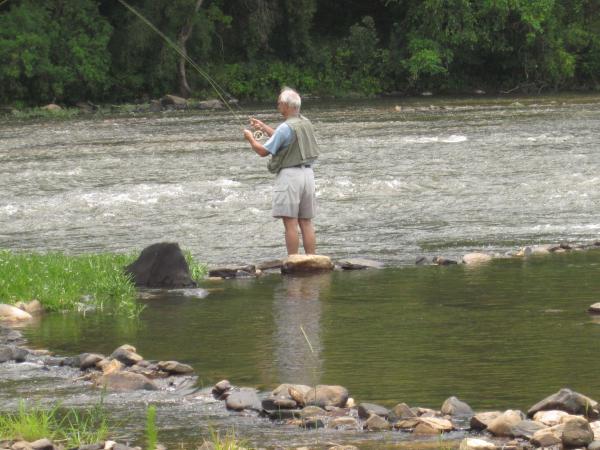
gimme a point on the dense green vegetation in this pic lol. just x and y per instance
(62, 282)
(73, 50)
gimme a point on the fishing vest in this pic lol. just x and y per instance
(303, 149)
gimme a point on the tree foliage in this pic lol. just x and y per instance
(70, 50)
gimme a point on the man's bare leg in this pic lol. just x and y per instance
(309, 240)
(292, 241)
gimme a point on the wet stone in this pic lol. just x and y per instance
(482, 420)
(127, 355)
(343, 423)
(568, 401)
(89, 360)
(526, 429)
(376, 423)
(242, 400)
(313, 423)
(284, 414)
(367, 409)
(175, 367)
(455, 407)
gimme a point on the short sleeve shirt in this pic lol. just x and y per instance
(282, 137)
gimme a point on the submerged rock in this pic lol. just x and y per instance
(161, 265)
(243, 399)
(359, 264)
(294, 264)
(233, 272)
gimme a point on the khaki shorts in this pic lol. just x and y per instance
(294, 193)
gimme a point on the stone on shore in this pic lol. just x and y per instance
(126, 381)
(550, 418)
(11, 313)
(577, 433)
(548, 437)
(32, 307)
(175, 367)
(161, 265)
(526, 429)
(210, 104)
(301, 264)
(401, 411)
(42, 444)
(476, 444)
(127, 355)
(476, 258)
(324, 395)
(503, 424)
(455, 407)
(568, 401)
(173, 100)
(51, 107)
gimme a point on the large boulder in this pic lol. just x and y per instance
(324, 395)
(161, 265)
(504, 423)
(455, 407)
(577, 433)
(306, 264)
(568, 401)
(125, 381)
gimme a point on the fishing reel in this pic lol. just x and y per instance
(258, 134)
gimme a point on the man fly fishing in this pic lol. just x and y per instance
(293, 150)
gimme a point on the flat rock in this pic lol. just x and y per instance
(568, 401)
(526, 429)
(433, 425)
(359, 264)
(455, 407)
(407, 424)
(476, 258)
(126, 381)
(481, 421)
(210, 104)
(294, 264)
(476, 444)
(243, 399)
(175, 367)
(548, 437)
(42, 444)
(233, 272)
(365, 410)
(11, 313)
(550, 418)
(344, 423)
(325, 395)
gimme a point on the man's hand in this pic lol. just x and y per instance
(259, 125)
(248, 136)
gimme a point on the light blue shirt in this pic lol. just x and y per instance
(282, 137)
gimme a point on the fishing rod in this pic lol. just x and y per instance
(258, 134)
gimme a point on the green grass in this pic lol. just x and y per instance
(70, 427)
(151, 430)
(227, 442)
(69, 283)
(74, 283)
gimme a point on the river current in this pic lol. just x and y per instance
(438, 177)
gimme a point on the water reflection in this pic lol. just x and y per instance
(297, 334)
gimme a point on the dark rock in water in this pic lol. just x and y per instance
(455, 407)
(422, 260)
(365, 410)
(359, 264)
(20, 354)
(88, 360)
(482, 420)
(313, 423)
(526, 428)
(175, 367)
(6, 353)
(71, 361)
(376, 423)
(441, 261)
(161, 265)
(568, 401)
(233, 272)
(271, 265)
(221, 389)
(243, 399)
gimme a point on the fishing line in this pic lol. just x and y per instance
(217, 88)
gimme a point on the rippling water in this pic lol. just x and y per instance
(444, 178)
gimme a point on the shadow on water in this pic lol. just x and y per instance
(501, 335)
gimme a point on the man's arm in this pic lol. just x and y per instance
(256, 146)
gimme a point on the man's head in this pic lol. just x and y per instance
(289, 102)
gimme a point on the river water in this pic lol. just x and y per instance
(439, 177)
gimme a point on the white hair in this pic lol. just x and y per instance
(290, 97)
